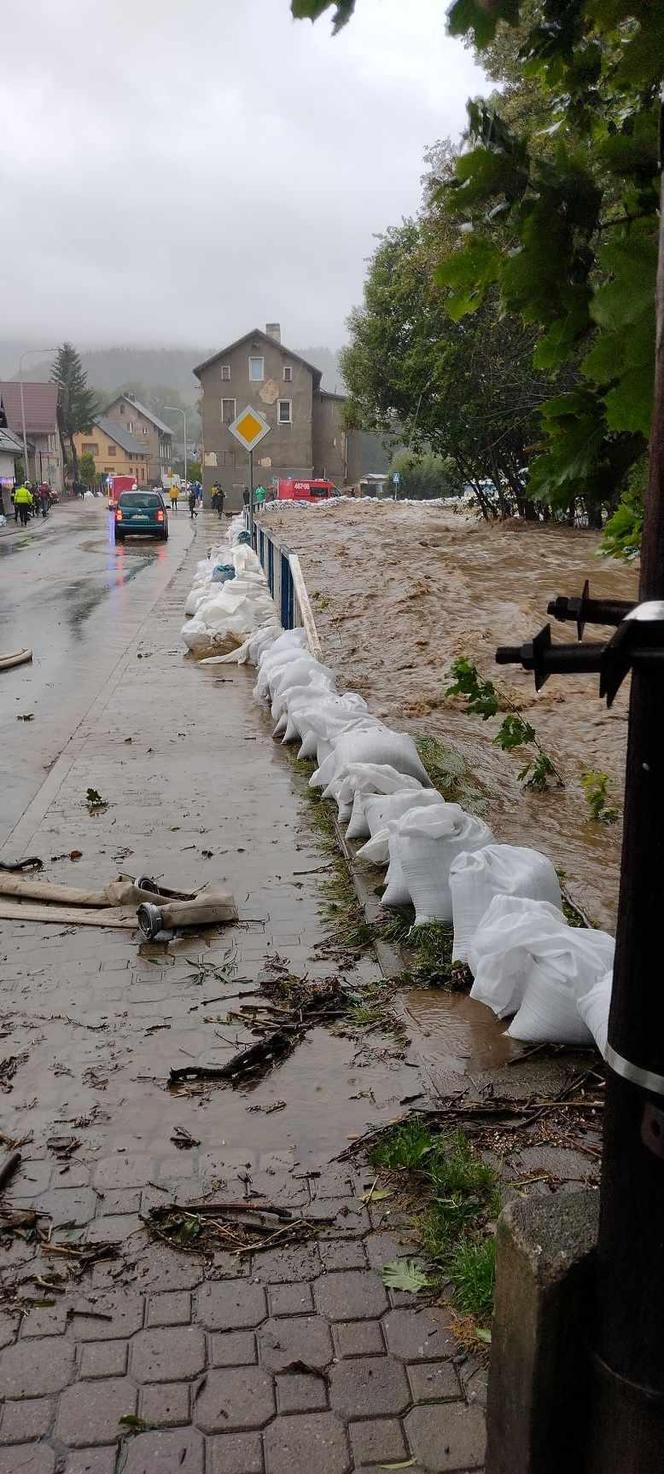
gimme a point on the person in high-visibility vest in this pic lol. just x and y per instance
(23, 500)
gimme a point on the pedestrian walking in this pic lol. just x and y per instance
(259, 496)
(174, 495)
(44, 498)
(218, 498)
(23, 500)
(193, 510)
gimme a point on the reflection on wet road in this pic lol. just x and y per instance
(78, 601)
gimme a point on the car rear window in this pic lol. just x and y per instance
(139, 499)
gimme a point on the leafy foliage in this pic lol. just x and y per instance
(312, 9)
(595, 785)
(555, 199)
(405, 1274)
(463, 391)
(424, 476)
(569, 230)
(87, 469)
(485, 700)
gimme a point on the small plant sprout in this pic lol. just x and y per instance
(514, 732)
(595, 785)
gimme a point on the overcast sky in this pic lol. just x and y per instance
(177, 171)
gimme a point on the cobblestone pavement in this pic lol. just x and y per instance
(282, 1361)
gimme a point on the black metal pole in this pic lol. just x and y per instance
(627, 1426)
(251, 496)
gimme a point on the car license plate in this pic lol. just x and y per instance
(139, 517)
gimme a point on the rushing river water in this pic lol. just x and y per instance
(400, 589)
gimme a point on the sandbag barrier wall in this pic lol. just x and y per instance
(286, 583)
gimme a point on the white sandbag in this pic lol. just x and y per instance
(548, 1015)
(499, 951)
(245, 560)
(497, 870)
(378, 745)
(268, 668)
(267, 632)
(295, 640)
(298, 673)
(426, 841)
(518, 941)
(396, 891)
(328, 719)
(562, 969)
(594, 1009)
(362, 725)
(366, 780)
(381, 815)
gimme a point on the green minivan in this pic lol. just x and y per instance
(141, 513)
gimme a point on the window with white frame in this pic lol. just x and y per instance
(227, 411)
(288, 373)
(226, 373)
(285, 411)
(256, 370)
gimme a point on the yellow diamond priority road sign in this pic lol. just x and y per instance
(249, 427)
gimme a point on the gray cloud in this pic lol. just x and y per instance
(176, 170)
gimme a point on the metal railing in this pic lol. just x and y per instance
(286, 584)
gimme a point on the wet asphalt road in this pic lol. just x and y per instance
(78, 600)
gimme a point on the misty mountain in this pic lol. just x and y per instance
(157, 368)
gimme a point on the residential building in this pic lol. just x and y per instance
(307, 434)
(153, 434)
(11, 451)
(40, 406)
(114, 450)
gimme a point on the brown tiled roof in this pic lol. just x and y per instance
(40, 401)
(272, 342)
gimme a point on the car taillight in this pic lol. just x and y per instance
(160, 516)
(118, 514)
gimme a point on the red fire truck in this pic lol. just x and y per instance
(318, 490)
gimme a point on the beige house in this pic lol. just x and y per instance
(115, 452)
(152, 434)
(307, 436)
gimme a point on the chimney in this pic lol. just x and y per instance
(273, 330)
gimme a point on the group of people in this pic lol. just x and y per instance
(29, 501)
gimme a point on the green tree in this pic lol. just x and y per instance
(561, 223)
(424, 476)
(464, 391)
(87, 469)
(77, 404)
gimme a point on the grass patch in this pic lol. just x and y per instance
(428, 948)
(341, 907)
(455, 1198)
(452, 776)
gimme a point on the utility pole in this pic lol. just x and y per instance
(627, 1433)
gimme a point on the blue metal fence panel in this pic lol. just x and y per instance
(286, 592)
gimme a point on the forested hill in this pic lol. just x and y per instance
(109, 368)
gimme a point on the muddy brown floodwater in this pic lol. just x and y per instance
(399, 590)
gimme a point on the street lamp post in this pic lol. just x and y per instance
(174, 409)
(26, 354)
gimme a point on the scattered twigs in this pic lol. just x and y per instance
(8, 1167)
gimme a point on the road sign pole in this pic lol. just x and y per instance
(628, 1425)
(251, 496)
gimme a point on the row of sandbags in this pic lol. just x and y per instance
(229, 599)
(503, 901)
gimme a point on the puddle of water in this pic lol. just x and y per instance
(456, 1032)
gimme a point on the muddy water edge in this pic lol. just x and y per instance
(399, 590)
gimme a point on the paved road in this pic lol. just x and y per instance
(276, 1363)
(77, 600)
